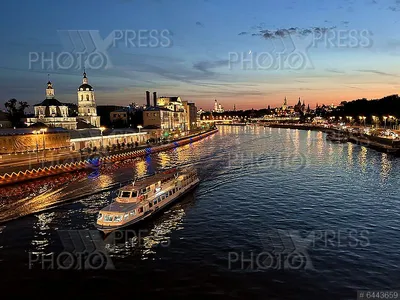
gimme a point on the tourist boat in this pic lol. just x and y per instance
(145, 197)
(337, 137)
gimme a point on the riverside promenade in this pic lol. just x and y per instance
(27, 167)
(381, 144)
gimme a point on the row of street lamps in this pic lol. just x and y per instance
(103, 128)
(375, 119)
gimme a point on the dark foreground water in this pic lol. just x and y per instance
(279, 214)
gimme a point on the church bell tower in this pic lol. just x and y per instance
(87, 103)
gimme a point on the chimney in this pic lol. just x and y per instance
(147, 98)
(155, 99)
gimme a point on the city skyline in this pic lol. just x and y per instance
(204, 53)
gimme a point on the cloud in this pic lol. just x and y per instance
(210, 94)
(204, 66)
(243, 33)
(377, 72)
(285, 32)
(353, 87)
(334, 71)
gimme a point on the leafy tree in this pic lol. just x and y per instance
(16, 111)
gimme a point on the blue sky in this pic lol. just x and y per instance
(347, 50)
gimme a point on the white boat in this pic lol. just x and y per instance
(143, 198)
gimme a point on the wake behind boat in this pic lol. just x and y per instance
(143, 198)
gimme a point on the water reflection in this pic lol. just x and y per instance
(296, 141)
(386, 166)
(40, 240)
(309, 141)
(350, 147)
(362, 158)
(150, 167)
(163, 159)
(141, 168)
(320, 143)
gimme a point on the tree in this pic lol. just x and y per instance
(16, 111)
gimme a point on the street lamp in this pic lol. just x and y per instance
(374, 118)
(384, 119)
(37, 144)
(362, 118)
(390, 120)
(102, 139)
(139, 127)
(43, 130)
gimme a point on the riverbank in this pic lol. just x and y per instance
(373, 142)
(230, 124)
(94, 161)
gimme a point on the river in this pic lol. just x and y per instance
(279, 214)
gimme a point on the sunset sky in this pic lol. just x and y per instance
(322, 51)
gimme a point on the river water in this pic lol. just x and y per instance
(279, 214)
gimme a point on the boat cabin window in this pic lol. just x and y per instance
(145, 190)
(108, 218)
(125, 194)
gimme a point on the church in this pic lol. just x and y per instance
(87, 104)
(53, 113)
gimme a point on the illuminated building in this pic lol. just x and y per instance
(52, 112)
(167, 113)
(218, 107)
(87, 103)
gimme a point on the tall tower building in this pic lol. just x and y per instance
(284, 106)
(49, 90)
(87, 104)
